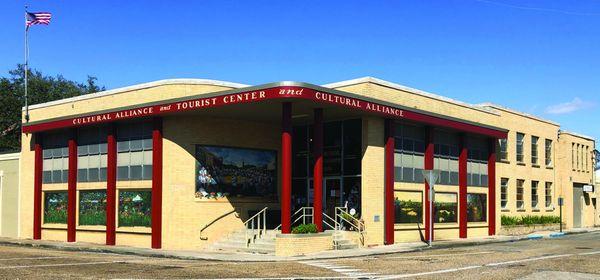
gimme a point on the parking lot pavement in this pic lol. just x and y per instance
(574, 256)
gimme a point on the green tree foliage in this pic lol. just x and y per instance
(41, 89)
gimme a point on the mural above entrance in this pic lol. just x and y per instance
(235, 172)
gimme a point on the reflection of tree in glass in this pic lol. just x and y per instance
(476, 207)
(445, 212)
(408, 211)
(55, 208)
(135, 208)
(92, 207)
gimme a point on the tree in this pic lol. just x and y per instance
(41, 89)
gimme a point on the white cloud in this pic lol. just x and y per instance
(568, 107)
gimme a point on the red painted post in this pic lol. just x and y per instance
(390, 218)
(72, 187)
(111, 185)
(286, 167)
(157, 162)
(318, 169)
(37, 186)
(428, 165)
(492, 187)
(462, 187)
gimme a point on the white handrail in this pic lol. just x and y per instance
(340, 212)
(302, 216)
(260, 220)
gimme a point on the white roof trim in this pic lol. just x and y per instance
(500, 107)
(138, 87)
(408, 89)
(577, 135)
(10, 156)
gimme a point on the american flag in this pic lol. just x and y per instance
(37, 18)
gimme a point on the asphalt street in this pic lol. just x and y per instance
(569, 257)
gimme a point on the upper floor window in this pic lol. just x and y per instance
(409, 157)
(503, 149)
(504, 193)
(548, 154)
(446, 157)
(56, 157)
(91, 154)
(134, 151)
(520, 143)
(477, 166)
(534, 150)
(548, 194)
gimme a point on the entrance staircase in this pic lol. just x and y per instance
(246, 241)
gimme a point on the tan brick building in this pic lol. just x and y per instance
(178, 164)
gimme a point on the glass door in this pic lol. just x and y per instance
(332, 195)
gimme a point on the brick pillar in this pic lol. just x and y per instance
(389, 181)
(318, 169)
(111, 185)
(462, 187)
(492, 187)
(157, 162)
(428, 165)
(37, 186)
(286, 167)
(72, 187)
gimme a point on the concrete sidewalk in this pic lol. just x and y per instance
(247, 257)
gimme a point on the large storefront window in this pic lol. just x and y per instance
(56, 157)
(235, 172)
(476, 207)
(409, 154)
(91, 154)
(446, 208)
(135, 208)
(92, 208)
(134, 151)
(55, 207)
(342, 156)
(408, 206)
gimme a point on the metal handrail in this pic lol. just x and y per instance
(335, 226)
(353, 222)
(260, 220)
(214, 221)
(302, 216)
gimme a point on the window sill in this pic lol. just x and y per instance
(143, 230)
(521, 164)
(535, 165)
(91, 228)
(535, 210)
(551, 209)
(54, 226)
(549, 167)
(521, 210)
(504, 161)
(504, 210)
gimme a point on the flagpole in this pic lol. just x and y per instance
(26, 65)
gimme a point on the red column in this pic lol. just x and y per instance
(389, 182)
(492, 187)
(37, 187)
(111, 185)
(462, 187)
(286, 167)
(428, 165)
(318, 169)
(157, 154)
(72, 187)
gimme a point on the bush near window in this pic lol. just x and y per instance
(529, 220)
(305, 228)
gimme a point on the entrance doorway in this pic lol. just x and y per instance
(577, 205)
(332, 194)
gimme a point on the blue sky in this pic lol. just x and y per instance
(540, 57)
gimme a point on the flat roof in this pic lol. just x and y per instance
(577, 135)
(500, 107)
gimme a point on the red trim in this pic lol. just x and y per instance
(286, 167)
(428, 165)
(157, 162)
(111, 185)
(462, 187)
(389, 181)
(37, 187)
(492, 187)
(295, 92)
(72, 187)
(318, 169)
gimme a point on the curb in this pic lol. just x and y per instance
(242, 257)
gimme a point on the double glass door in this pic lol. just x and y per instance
(332, 194)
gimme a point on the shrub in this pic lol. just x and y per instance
(529, 220)
(305, 228)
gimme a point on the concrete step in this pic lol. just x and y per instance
(252, 249)
(347, 246)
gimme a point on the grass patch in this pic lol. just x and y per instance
(529, 220)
